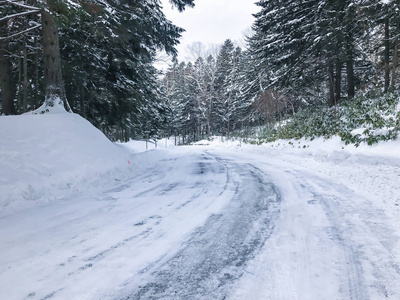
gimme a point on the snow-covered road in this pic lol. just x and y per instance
(329, 243)
(215, 254)
(202, 224)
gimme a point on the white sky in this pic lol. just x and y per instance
(212, 21)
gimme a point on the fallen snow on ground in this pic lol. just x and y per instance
(372, 171)
(369, 176)
(47, 157)
(84, 218)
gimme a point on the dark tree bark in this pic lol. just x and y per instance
(350, 67)
(24, 103)
(338, 81)
(7, 88)
(394, 64)
(82, 100)
(54, 86)
(387, 55)
(36, 62)
(331, 84)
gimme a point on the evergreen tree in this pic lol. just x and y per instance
(221, 103)
(107, 53)
(210, 77)
(303, 45)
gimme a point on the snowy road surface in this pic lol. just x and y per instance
(202, 224)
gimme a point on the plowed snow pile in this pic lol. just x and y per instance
(43, 157)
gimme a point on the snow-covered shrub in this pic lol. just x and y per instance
(358, 120)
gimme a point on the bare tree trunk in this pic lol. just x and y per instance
(338, 81)
(7, 88)
(395, 62)
(331, 84)
(36, 62)
(82, 100)
(209, 116)
(20, 99)
(228, 116)
(24, 106)
(350, 63)
(54, 86)
(387, 55)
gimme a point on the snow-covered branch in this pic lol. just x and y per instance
(22, 5)
(19, 14)
(19, 33)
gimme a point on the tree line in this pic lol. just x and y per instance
(300, 53)
(326, 50)
(98, 55)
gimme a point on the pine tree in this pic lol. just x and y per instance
(233, 106)
(224, 64)
(302, 45)
(118, 90)
(107, 54)
(210, 77)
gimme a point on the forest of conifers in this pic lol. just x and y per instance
(299, 54)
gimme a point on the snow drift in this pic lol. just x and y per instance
(47, 155)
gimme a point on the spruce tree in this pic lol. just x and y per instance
(224, 64)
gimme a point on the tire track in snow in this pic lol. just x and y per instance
(361, 240)
(353, 284)
(216, 254)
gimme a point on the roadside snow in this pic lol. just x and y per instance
(143, 145)
(44, 157)
(370, 171)
(373, 171)
(66, 207)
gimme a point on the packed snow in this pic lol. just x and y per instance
(84, 218)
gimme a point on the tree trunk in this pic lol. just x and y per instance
(7, 88)
(394, 64)
(82, 100)
(54, 86)
(350, 68)
(209, 116)
(7, 91)
(36, 62)
(20, 100)
(387, 55)
(331, 85)
(338, 81)
(24, 105)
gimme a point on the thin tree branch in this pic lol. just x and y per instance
(19, 33)
(22, 5)
(19, 14)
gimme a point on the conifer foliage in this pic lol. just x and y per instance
(205, 97)
(104, 53)
(319, 49)
(308, 53)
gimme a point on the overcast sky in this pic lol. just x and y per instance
(212, 21)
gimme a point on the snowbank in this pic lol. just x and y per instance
(371, 171)
(143, 145)
(45, 156)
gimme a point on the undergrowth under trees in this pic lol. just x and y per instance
(359, 120)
